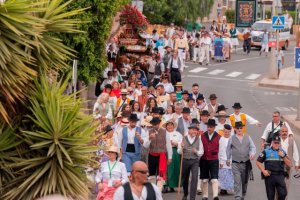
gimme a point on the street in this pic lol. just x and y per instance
(236, 81)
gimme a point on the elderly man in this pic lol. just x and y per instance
(273, 127)
(212, 106)
(191, 149)
(242, 149)
(138, 187)
(184, 121)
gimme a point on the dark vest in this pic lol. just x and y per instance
(157, 70)
(211, 147)
(188, 148)
(128, 193)
(158, 145)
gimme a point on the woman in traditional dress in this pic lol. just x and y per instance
(226, 46)
(174, 168)
(221, 119)
(226, 181)
(218, 44)
(136, 110)
(103, 111)
(178, 90)
(106, 141)
(112, 175)
(234, 37)
(169, 115)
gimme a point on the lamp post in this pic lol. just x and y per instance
(273, 74)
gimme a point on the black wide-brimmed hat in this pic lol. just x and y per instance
(155, 110)
(238, 124)
(186, 110)
(211, 122)
(191, 99)
(205, 112)
(195, 121)
(133, 117)
(237, 105)
(213, 96)
(227, 126)
(194, 126)
(161, 111)
(220, 108)
(200, 97)
(155, 121)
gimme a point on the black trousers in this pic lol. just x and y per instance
(247, 45)
(275, 183)
(175, 76)
(190, 166)
(209, 169)
(153, 165)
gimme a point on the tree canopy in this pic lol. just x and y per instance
(177, 11)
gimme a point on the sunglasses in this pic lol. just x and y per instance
(142, 171)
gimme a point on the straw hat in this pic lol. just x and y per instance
(124, 91)
(170, 122)
(222, 113)
(179, 84)
(146, 121)
(114, 149)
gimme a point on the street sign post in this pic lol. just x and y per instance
(278, 22)
(297, 59)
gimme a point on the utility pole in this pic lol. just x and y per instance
(272, 65)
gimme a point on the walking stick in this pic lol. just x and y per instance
(180, 172)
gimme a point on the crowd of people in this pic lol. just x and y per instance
(154, 130)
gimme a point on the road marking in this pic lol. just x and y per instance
(253, 76)
(216, 72)
(286, 109)
(219, 78)
(198, 69)
(293, 109)
(234, 74)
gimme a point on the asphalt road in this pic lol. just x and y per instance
(236, 81)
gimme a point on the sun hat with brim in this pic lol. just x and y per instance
(211, 122)
(237, 105)
(124, 91)
(222, 114)
(146, 121)
(124, 122)
(179, 84)
(193, 126)
(155, 121)
(114, 149)
(238, 124)
(170, 122)
(133, 117)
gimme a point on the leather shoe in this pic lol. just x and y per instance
(204, 198)
(184, 198)
(165, 190)
(216, 198)
(172, 190)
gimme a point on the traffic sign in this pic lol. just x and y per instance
(297, 59)
(278, 22)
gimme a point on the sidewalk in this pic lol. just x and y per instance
(289, 79)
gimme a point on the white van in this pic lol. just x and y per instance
(258, 30)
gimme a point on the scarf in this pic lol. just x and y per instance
(162, 170)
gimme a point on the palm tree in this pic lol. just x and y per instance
(44, 136)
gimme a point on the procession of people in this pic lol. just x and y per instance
(155, 129)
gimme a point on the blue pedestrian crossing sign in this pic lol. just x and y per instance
(278, 22)
(297, 59)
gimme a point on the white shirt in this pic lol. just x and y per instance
(223, 142)
(168, 87)
(285, 147)
(119, 172)
(249, 119)
(97, 114)
(174, 136)
(279, 57)
(119, 194)
(130, 136)
(205, 41)
(191, 141)
(268, 129)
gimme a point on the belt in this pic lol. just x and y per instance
(150, 72)
(276, 173)
(175, 69)
(181, 48)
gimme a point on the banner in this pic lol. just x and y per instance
(245, 13)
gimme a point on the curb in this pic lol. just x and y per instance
(262, 83)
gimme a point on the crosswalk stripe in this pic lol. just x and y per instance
(198, 69)
(252, 76)
(234, 74)
(216, 72)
